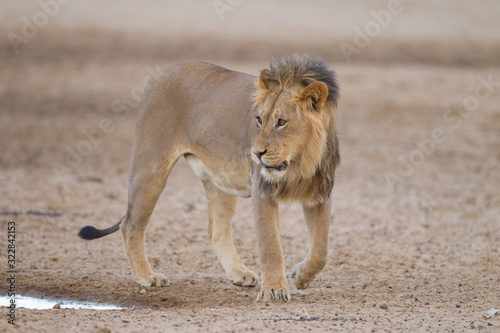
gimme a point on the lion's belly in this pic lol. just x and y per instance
(232, 178)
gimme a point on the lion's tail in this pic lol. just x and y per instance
(90, 232)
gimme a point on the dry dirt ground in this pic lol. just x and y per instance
(415, 234)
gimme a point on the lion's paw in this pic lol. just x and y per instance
(276, 290)
(299, 278)
(155, 279)
(280, 294)
(244, 278)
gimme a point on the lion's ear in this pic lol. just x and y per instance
(315, 95)
(265, 82)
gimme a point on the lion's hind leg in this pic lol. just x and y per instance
(220, 212)
(145, 186)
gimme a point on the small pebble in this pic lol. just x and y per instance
(304, 314)
(57, 306)
(384, 307)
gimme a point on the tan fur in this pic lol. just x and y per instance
(208, 115)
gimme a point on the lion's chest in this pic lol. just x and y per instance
(230, 177)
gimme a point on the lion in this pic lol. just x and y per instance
(272, 138)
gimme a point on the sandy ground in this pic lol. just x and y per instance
(415, 236)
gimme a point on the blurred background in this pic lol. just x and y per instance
(63, 60)
(419, 129)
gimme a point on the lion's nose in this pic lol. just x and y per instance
(259, 153)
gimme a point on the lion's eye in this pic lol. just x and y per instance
(259, 120)
(281, 122)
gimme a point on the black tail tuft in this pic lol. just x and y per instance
(90, 232)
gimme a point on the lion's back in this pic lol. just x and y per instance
(206, 108)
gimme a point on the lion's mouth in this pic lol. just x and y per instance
(280, 167)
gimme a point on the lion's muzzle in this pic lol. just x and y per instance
(258, 155)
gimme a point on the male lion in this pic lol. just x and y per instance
(272, 138)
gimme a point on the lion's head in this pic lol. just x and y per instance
(295, 103)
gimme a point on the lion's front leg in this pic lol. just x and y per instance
(318, 220)
(274, 286)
